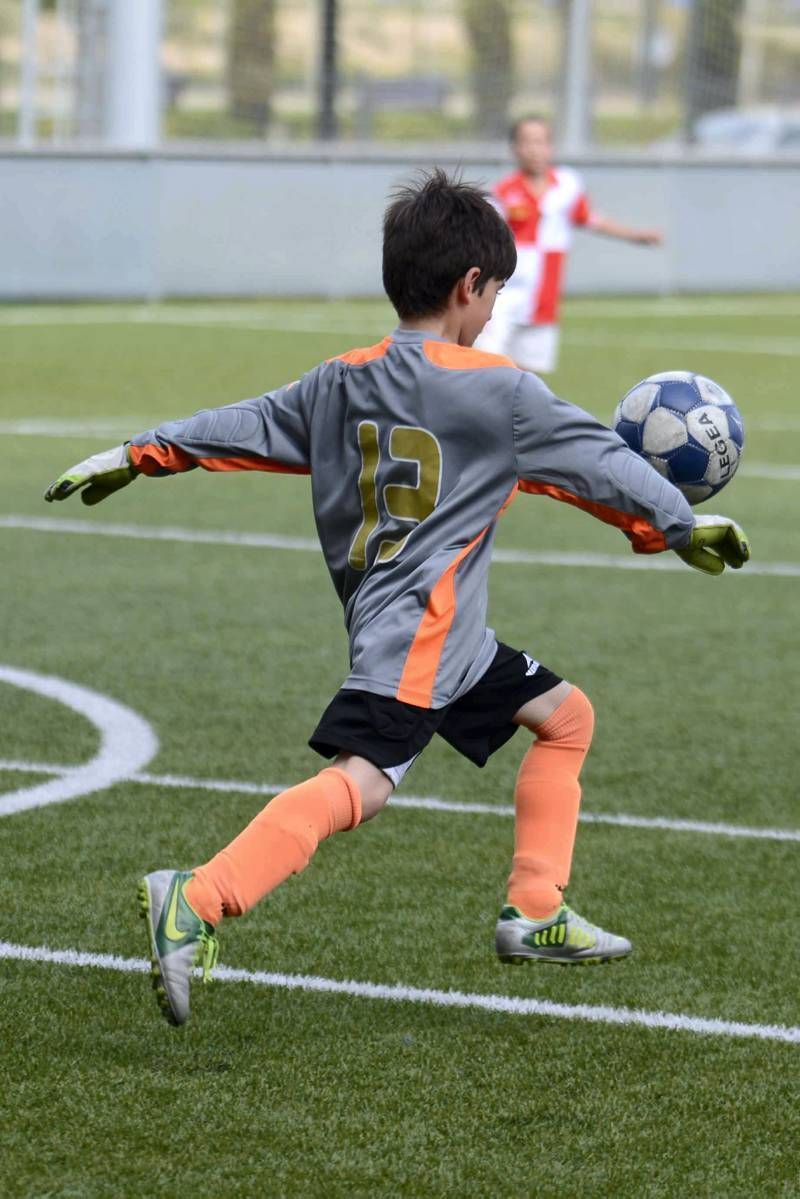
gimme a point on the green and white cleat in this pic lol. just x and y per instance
(565, 938)
(179, 940)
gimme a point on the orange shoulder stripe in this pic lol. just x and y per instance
(364, 355)
(645, 538)
(462, 358)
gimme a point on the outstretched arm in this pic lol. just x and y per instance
(609, 228)
(268, 434)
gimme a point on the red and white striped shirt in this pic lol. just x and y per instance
(542, 227)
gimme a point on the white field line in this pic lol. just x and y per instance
(783, 471)
(776, 424)
(401, 993)
(780, 347)
(334, 320)
(47, 427)
(308, 311)
(277, 541)
(350, 322)
(429, 803)
(682, 306)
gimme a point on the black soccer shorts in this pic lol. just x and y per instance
(390, 733)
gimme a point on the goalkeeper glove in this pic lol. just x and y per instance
(100, 475)
(715, 543)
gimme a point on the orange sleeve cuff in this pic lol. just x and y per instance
(644, 537)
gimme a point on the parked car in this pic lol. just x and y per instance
(765, 130)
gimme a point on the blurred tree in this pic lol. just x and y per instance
(488, 25)
(251, 60)
(712, 57)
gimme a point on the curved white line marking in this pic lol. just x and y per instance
(127, 742)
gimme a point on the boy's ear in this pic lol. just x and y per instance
(468, 286)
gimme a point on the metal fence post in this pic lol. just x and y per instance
(575, 120)
(29, 70)
(133, 117)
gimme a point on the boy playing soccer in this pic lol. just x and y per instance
(542, 204)
(415, 447)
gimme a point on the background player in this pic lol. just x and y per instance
(415, 447)
(542, 203)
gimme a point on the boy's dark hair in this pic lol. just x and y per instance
(434, 230)
(533, 118)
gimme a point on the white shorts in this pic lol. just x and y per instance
(532, 347)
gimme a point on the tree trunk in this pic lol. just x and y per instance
(488, 25)
(712, 57)
(251, 60)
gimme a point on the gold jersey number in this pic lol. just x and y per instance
(411, 502)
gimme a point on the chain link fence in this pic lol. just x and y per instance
(394, 71)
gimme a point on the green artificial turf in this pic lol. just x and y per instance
(231, 653)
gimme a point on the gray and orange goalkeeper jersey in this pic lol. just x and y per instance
(415, 446)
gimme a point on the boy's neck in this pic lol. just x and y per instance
(444, 324)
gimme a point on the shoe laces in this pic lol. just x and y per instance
(592, 931)
(209, 954)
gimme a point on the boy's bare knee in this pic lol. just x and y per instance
(565, 720)
(373, 784)
(536, 711)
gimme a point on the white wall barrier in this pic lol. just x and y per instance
(80, 224)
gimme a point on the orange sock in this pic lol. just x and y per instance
(280, 841)
(547, 798)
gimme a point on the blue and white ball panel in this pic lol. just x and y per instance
(690, 464)
(709, 427)
(637, 403)
(661, 465)
(630, 433)
(695, 493)
(687, 427)
(663, 431)
(679, 396)
(736, 427)
(712, 393)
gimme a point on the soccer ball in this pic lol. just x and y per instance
(687, 427)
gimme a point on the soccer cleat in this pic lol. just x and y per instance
(179, 940)
(565, 938)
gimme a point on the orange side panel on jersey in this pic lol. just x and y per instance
(362, 356)
(422, 661)
(461, 358)
(546, 308)
(645, 538)
(151, 458)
